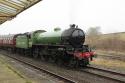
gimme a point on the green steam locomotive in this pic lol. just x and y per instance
(61, 47)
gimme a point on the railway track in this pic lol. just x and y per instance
(65, 80)
(104, 73)
(114, 57)
(87, 75)
(107, 74)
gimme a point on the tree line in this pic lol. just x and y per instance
(100, 41)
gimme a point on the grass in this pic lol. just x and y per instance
(109, 63)
(109, 52)
(117, 40)
(119, 34)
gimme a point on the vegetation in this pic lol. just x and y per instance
(112, 41)
(92, 36)
(113, 64)
(93, 31)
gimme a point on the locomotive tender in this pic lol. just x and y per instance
(62, 47)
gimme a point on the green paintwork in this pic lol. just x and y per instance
(34, 36)
(22, 41)
(38, 37)
(30, 42)
(49, 37)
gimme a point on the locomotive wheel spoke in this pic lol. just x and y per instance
(59, 62)
(55, 60)
(42, 57)
(46, 58)
(35, 56)
(35, 53)
(73, 63)
(86, 62)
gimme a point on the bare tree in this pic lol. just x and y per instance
(112, 41)
(94, 31)
(93, 34)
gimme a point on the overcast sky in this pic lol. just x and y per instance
(108, 14)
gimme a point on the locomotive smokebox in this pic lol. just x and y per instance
(74, 35)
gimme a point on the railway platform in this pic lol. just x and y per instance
(7, 75)
(14, 72)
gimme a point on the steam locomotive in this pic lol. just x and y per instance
(61, 47)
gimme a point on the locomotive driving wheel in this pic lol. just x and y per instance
(86, 62)
(36, 53)
(43, 55)
(73, 63)
(59, 62)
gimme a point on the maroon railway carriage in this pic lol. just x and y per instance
(8, 41)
